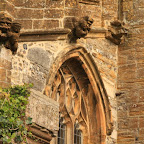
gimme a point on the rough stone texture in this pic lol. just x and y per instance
(45, 24)
(39, 56)
(109, 11)
(121, 67)
(48, 12)
(34, 65)
(2, 5)
(130, 76)
(5, 67)
(43, 110)
(104, 55)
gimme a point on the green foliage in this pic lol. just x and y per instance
(13, 103)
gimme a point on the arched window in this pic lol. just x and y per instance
(77, 135)
(61, 132)
(81, 98)
(68, 93)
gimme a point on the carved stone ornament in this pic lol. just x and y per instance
(90, 2)
(40, 135)
(9, 32)
(116, 32)
(79, 103)
(80, 28)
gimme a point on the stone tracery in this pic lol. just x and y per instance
(94, 116)
(70, 95)
(66, 91)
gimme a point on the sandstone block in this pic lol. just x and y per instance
(29, 14)
(10, 9)
(136, 109)
(8, 76)
(2, 5)
(53, 13)
(40, 57)
(70, 3)
(141, 122)
(29, 3)
(2, 74)
(37, 84)
(45, 24)
(43, 110)
(55, 3)
(26, 24)
(5, 64)
(4, 84)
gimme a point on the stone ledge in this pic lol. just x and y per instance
(98, 30)
(43, 110)
(55, 34)
(43, 35)
(44, 98)
(40, 134)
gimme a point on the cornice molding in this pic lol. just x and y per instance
(55, 34)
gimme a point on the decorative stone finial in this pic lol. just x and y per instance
(80, 28)
(116, 32)
(9, 32)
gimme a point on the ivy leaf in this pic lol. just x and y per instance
(29, 121)
(1, 119)
(25, 132)
(18, 139)
(1, 89)
(17, 101)
(13, 136)
(19, 122)
(23, 114)
(12, 114)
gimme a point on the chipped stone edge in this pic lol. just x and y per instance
(44, 98)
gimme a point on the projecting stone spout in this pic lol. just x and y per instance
(79, 28)
(9, 32)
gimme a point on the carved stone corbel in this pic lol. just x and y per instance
(90, 2)
(9, 32)
(40, 135)
(80, 28)
(116, 31)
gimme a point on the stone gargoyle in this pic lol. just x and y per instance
(80, 28)
(116, 31)
(9, 32)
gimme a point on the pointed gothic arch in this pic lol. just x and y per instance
(75, 82)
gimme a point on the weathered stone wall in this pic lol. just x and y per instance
(121, 67)
(48, 14)
(109, 11)
(104, 53)
(43, 111)
(5, 67)
(34, 61)
(130, 80)
(2, 5)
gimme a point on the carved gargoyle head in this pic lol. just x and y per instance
(5, 22)
(83, 27)
(80, 28)
(116, 31)
(15, 27)
(9, 32)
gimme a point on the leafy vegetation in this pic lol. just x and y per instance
(13, 120)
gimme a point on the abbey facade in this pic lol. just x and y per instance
(85, 59)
